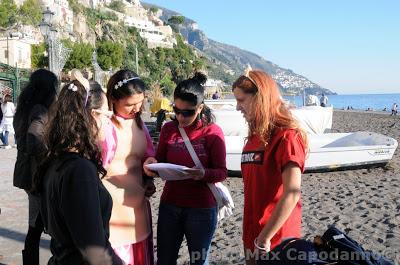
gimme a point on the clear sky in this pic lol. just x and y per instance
(348, 46)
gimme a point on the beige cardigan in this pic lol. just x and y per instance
(130, 214)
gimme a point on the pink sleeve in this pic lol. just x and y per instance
(150, 148)
(109, 145)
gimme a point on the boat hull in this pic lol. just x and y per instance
(327, 151)
(331, 151)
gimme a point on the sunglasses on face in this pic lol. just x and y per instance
(184, 112)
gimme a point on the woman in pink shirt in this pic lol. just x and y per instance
(188, 207)
(130, 224)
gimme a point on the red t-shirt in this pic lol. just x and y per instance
(262, 176)
(209, 145)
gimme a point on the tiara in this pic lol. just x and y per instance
(122, 82)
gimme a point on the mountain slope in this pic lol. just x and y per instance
(230, 61)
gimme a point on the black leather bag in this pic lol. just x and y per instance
(345, 250)
(333, 247)
(22, 171)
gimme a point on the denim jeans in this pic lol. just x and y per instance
(4, 137)
(196, 224)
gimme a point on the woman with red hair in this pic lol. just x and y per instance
(272, 162)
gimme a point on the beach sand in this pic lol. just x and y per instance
(365, 203)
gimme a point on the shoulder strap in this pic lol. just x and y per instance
(189, 146)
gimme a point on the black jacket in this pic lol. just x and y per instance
(31, 147)
(76, 209)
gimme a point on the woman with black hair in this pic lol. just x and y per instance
(130, 227)
(29, 122)
(75, 206)
(188, 207)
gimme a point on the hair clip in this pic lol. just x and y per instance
(247, 71)
(247, 75)
(73, 87)
(121, 83)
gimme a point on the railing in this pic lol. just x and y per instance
(12, 80)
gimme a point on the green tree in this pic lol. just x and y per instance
(38, 58)
(30, 12)
(130, 56)
(117, 5)
(177, 20)
(167, 85)
(76, 6)
(161, 57)
(180, 60)
(198, 64)
(109, 54)
(8, 13)
(80, 57)
(153, 9)
(95, 16)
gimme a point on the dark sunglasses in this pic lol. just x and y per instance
(184, 112)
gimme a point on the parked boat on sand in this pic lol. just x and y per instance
(327, 151)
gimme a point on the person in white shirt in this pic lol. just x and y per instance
(324, 100)
(394, 109)
(312, 100)
(6, 125)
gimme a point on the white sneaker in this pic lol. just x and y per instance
(7, 147)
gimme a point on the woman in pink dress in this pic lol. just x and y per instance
(130, 224)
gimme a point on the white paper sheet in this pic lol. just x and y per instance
(169, 171)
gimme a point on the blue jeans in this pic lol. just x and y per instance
(4, 137)
(196, 224)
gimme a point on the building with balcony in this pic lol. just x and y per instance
(156, 36)
(16, 51)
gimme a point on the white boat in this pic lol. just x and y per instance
(313, 119)
(327, 151)
(332, 151)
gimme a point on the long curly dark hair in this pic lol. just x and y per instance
(71, 127)
(131, 87)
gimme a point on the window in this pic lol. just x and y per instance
(5, 54)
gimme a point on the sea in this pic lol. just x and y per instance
(375, 102)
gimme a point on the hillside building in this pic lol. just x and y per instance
(16, 51)
(63, 16)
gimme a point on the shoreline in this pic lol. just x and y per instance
(365, 111)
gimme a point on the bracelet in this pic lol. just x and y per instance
(258, 247)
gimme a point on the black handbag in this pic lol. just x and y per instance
(22, 171)
(345, 250)
(333, 247)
